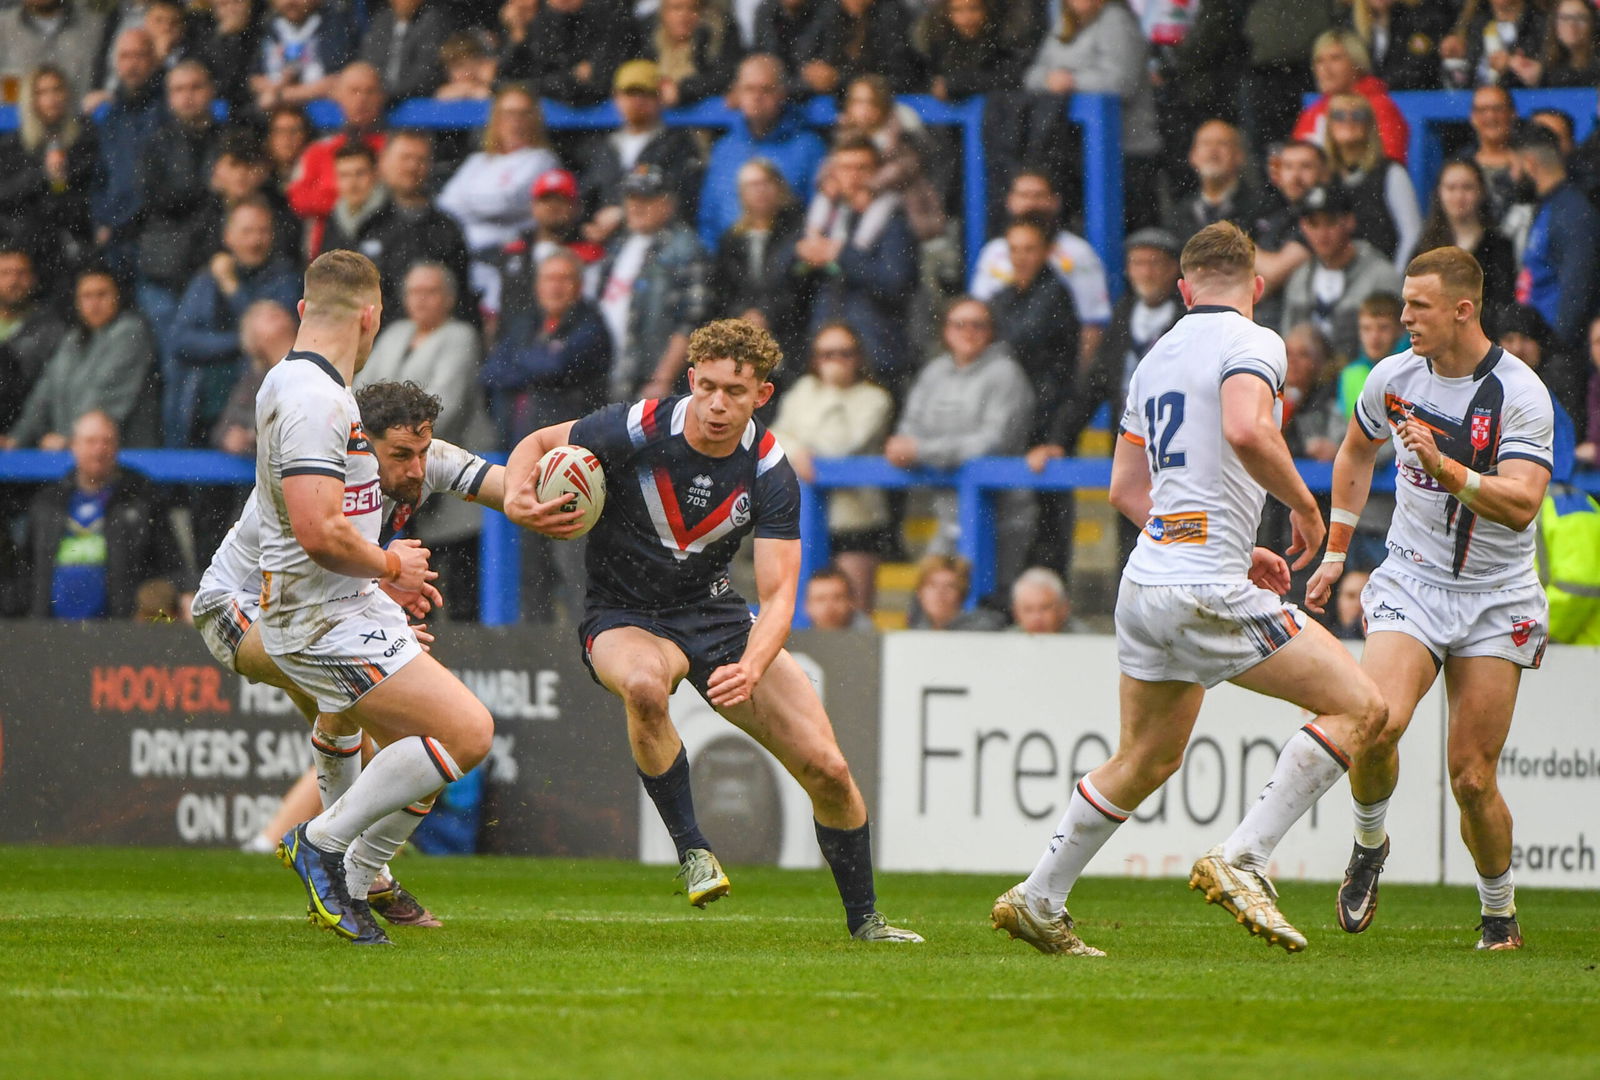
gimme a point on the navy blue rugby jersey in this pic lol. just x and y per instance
(674, 517)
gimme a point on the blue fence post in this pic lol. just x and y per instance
(974, 181)
(815, 550)
(1099, 116)
(975, 518)
(499, 571)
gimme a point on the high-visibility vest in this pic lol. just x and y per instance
(1567, 547)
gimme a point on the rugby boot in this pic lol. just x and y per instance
(396, 904)
(1246, 895)
(1358, 894)
(703, 878)
(877, 928)
(1049, 934)
(1500, 933)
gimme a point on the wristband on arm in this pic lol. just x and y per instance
(1341, 529)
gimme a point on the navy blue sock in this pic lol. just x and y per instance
(675, 803)
(849, 855)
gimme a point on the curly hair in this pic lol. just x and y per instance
(743, 342)
(386, 405)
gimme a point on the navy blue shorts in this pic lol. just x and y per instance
(711, 633)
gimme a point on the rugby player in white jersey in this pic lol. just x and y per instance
(1473, 428)
(1199, 604)
(324, 621)
(412, 466)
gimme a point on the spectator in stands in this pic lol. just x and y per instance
(1387, 215)
(556, 214)
(1559, 123)
(488, 195)
(966, 52)
(229, 50)
(781, 25)
(941, 594)
(61, 34)
(1480, 49)
(47, 169)
(830, 602)
(696, 51)
(1071, 259)
(1560, 276)
(1217, 156)
(305, 46)
(834, 411)
(1197, 60)
(313, 191)
(266, 336)
(1459, 215)
(402, 42)
(360, 201)
(973, 400)
(242, 171)
(1039, 602)
(205, 335)
(1293, 169)
(860, 256)
(1493, 120)
(1402, 40)
(753, 270)
(174, 187)
(1569, 57)
(763, 129)
(288, 135)
(568, 50)
(97, 534)
(469, 69)
(414, 229)
(1313, 424)
(29, 333)
(1150, 307)
(851, 38)
(1586, 451)
(652, 288)
(130, 124)
(103, 362)
(1349, 614)
(1382, 335)
(1342, 65)
(869, 111)
(641, 140)
(1099, 48)
(1343, 271)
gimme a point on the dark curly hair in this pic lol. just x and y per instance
(744, 343)
(386, 405)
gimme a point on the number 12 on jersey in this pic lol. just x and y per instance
(1163, 416)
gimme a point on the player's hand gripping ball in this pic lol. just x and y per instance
(575, 472)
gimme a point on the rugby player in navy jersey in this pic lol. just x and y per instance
(687, 478)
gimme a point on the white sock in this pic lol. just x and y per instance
(1498, 895)
(402, 772)
(338, 760)
(1309, 765)
(1369, 823)
(1085, 827)
(368, 858)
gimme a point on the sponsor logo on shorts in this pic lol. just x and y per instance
(1384, 613)
(399, 644)
(721, 587)
(1186, 528)
(1522, 629)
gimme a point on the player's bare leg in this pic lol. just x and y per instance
(786, 716)
(1482, 692)
(642, 669)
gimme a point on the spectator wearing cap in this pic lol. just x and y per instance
(130, 124)
(641, 140)
(312, 191)
(489, 194)
(781, 25)
(569, 50)
(1217, 156)
(557, 213)
(696, 50)
(403, 42)
(652, 288)
(765, 129)
(1342, 271)
(1072, 260)
(1341, 65)
(64, 34)
(305, 46)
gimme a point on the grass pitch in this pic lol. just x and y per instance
(124, 963)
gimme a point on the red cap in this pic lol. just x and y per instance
(556, 182)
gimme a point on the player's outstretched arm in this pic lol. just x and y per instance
(316, 516)
(1251, 429)
(1130, 481)
(492, 492)
(520, 465)
(1511, 498)
(777, 578)
(1352, 484)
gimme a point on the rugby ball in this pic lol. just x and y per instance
(575, 472)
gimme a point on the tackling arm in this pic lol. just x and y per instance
(316, 516)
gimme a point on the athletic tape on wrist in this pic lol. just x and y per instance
(1337, 516)
(391, 566)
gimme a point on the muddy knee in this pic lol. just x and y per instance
(1474, 784)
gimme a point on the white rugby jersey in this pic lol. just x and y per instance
(236, 567)
(1205, 506)
(1502, 410)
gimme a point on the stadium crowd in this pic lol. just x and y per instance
(164, 188)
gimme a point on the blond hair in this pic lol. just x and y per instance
(745, 343)
(1371, 154)
(1458, 272)
(1350, 42)
(955, 564)
(1222, 251)
(340, 283)
(537, 138)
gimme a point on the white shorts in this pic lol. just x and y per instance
(1202, 634)
(223, 619)
(1513, 624)
(367, 640)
